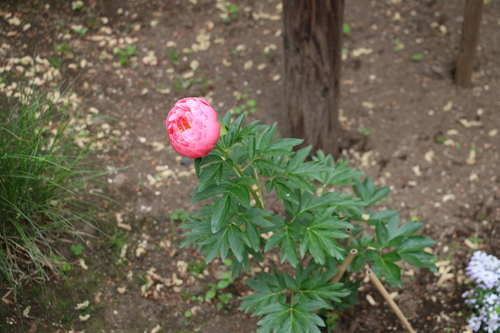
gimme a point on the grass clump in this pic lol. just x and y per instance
(43, 186)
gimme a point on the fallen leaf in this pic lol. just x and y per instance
(448, 106)
(83, 305)
(468, 124)
(471, 160)
(449, 197)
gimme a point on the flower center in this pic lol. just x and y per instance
(183, 124)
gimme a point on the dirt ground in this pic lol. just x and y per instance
(405, 124)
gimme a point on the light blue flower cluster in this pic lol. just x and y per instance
(484, 297)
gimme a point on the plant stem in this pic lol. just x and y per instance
(257, 195)
(376, 282)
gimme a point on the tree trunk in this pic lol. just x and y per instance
(312, 51)
(470, 38)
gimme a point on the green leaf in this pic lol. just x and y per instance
(346, 28)
(265, 164)
(309, 167)
(319, 239)
(360, 260)
(420, 260)
(265, 138)
(330, 199)
(232, 134)
(274, 240)
(284, 192)
(381, 232)
(208, 175)
(301, 183)
(417, 57)
(223, 284)
(268, 291)
(226, 120)
(210, 294)
(367, 191)
(289, 251)
(286, 144)
(241, 195)
(392, 226)
(220, 212)
(236, 240)
(408, 229)
(391, 271)
(298, 158)
(209, 192)
(378, 195)
(76, 249)
(415, 244)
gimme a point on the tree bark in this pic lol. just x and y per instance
(470, 38)
(312, 59)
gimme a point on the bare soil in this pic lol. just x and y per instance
(404, 123)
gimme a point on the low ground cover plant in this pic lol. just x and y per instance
(484, 296)
(43, 180)
(324, 232)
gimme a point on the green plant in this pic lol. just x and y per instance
(398, 46)
(475, 240)
(213, 292)
(363, 130)
(125, 54)
(196, 267)
(247, 105)
(346, 28)
(417, 57)
(232, 13)
(76, 249)
(321, 226)
(440, 139)
(63, 48)
(81, 31)
(179, 214)
(483, 297)
(56, 62)
(173, 55)
(42, 178)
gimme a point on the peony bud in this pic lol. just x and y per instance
(193, 127)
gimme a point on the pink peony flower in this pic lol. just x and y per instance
(193, 127)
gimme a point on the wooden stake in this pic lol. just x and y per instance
(376, 282)
(470, 38)
(344, 265)
(347, 241)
